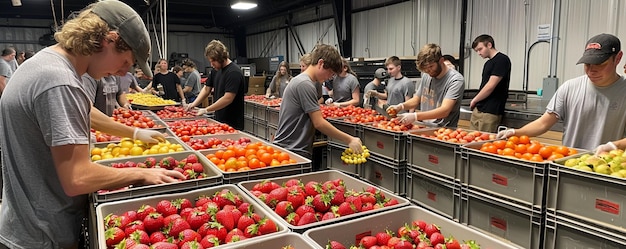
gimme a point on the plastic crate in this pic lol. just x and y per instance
(386, 143)
(501, 218)
(588, 196)
(384, 173)
(260, 112)
(120, 207)
(524, 182)
(351, 129)
(435, 156)
(561, 232)
(171, 139)
(272, 116)
(334, 161)
(248, 109)
(322, 176)
(438, 194)
(271, 133)
(350, 232)
(260, 129)
(277, 241)
(248, 124)
(214, 177)
(231, 136)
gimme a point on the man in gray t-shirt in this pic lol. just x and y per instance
(398, 88)
(346, 88)
(191, 85)
(6, 71)
(438, 98)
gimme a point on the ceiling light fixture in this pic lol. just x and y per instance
(243, 4)
(16, 3)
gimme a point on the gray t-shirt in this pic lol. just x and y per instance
(47, 104)
(398, 89)
(591, 115)
(343, 87)
(295, 129)
(433, 91)
(5, 69)
(282, 82)
(192, 80)
(103, 92)
(370, 86)
(126, 82)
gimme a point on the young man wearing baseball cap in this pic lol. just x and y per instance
(591, 106)
(373, 87)
(44, 128)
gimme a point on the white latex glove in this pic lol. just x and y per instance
(398, 107)
(605, 148)
(355, 144)
(328, 101)
(505, 134)
(128, 106)
(201, 111)
(184, 102)
(408, 117)
(148, 136)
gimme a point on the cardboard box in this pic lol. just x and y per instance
(256, 90)
(256, 82)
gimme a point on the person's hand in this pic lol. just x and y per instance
(201, 112)
(397, 108)
(159, 176)
(328, 101)
(183, 102)
(505, 134)
(356, 145)
(127, 106)
(473, 104)
(408, 117)
(372, 93)
(148, 136)
(605, 148)
(189, 106)
(337, 104)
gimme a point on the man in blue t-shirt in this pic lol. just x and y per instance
(488, 104)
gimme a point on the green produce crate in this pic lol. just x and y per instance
(589, 196)
(248, 109)
(435, 156)
(248, 124)
(438, 194)
(351, 231)
(561, 232)
(521, 181)
(277, 242)
(349, 128)
(334, 161)
(272, 116)
(501, 218)
(120, 207)
(214, 177)
(386, 174)
(322, 176)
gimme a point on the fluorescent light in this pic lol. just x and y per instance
(243, 5)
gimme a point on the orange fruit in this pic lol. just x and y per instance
(266, 158)
(545, 152)
(254, 163)
(523, 139)
(514, 139)
(500, 144)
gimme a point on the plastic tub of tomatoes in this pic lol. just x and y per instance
(197, 169)
(516, 168)
(256, 160)
(207, 143)
(321, 198)
(437, 150)
(198, 126)
(220, 215)
(410, 222)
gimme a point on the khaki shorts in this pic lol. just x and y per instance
(482, 121)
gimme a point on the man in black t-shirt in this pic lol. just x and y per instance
(488, 105)
(170, 82)
(228, 85)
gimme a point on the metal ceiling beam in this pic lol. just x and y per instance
(343, 25)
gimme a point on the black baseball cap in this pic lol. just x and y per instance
(130, 27)
(599, 48)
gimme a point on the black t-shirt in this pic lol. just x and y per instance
(169, 82)
(499, 65)
(229, 79)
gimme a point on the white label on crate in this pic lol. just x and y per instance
(498, 223)
(433, 159)
(358, 237)
(380, 145)
(607, 206)
(499, 179)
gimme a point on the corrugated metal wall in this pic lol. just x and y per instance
(23, 34)
(193, 44)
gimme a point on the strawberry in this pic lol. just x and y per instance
(470, 245)
(188, 235)
(167, 221)
(403, 244)
(177, 226)
(139, 246)
(296, 198)
(338, 182)
(436, 238)
(329, 215)
(267, 226)
(367, 207)
(225, 218)
(168, 162)
(452, 243)
(301, 210)
(383, 238)
(131, 215)
(312, 188)
(267, 186)
(197, 218)
(141, 165)
(419, 223)
(192, 245)
(226, 197)
(307, 218)
(197, 167)
(157, 236)
(186, 212)
(245, 221)
(327, 186)
(276, 195)
(153, 222)
(293, 182)
(283, 208)
(133, 226)
(430, 229)
(251, 231)
(114, 236)
(321, 202)
(391, 202)
(210, 241)
(334, 245)
(245, 208)
(166, 208)
(356, 201)
(371, 189)
(164, 245)
(346, 208)
(202, 200)
(182, 204)
(213, 228)
(150, 162)
(337, 197)
(140, 237)
(367, 197)
(191, 158)
(368, 241)
(144, 211)
(234, 236)
(293, 218)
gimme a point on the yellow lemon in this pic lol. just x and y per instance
(96, 151)
(136, 151)
(96, 158)
(164, 149)
(125, 151)
(153, 151)
(107, 156)
(127, 144)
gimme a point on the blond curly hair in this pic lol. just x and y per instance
(84, 34)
